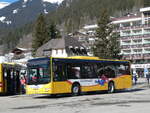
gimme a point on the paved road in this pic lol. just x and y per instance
(135, 100)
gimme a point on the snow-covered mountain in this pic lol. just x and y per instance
(3, 4)
(25, 11)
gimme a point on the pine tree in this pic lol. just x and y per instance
(40, 33)
(53, 31)
(107, 44)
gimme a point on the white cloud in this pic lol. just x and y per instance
(53, 1)
(3, 4)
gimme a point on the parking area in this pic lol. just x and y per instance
(132, 100)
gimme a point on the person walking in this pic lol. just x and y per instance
(23, 83)
(135, 78)
(148, 77)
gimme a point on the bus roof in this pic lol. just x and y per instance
(89, 58)
(85, 58)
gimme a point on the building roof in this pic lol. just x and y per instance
(145, 9)
(60, 43)
(127, 18)
(54, 43)
(70, 41)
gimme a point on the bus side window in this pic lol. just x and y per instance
(121, 69)
(73, 71)
(100, 70)
(127, 66)
(109, 70)
(88, 71)
(59, 74)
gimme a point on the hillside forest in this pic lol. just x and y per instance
(71, 15)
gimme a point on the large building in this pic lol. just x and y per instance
(86, 36)
(134, 30)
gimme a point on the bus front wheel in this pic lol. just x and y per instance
(76, 89)
(111, 87)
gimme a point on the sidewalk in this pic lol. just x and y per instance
(141, 82)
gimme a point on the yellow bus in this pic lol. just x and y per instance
(9, 78)
(76, 75)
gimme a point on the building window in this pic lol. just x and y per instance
(136, 23)
(47, 52)
(126, 24)
(137, 32)
(146, 31)
(56, 51)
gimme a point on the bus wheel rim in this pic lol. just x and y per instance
(76, 90)
(111, 88)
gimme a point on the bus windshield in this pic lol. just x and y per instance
(38, 73)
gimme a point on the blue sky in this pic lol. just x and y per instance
(10, 1)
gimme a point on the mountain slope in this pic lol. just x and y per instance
(23, 12)
(69, 16)
(76, 13)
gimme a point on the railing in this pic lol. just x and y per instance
(132, 27)
(135, 37)
(146, 45)
(136, 56)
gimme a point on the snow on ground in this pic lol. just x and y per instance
(53, 1)
(2, 59)
(90, 26)
(8, 58)
(45, 11)
(3, 20)
(15, 11)
(25, 1)
(23, 61)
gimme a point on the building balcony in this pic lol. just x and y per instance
(146, 56)
(146, 45)
(125, 38)
(127, 57)
(133, 27)
(125, 46)
(133, 57)
(145, 36)
(136, 56)
(146, 26)
(136, 46)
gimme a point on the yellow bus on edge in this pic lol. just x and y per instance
(76, 75)
(9, 78)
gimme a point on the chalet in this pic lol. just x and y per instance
(62, 47)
